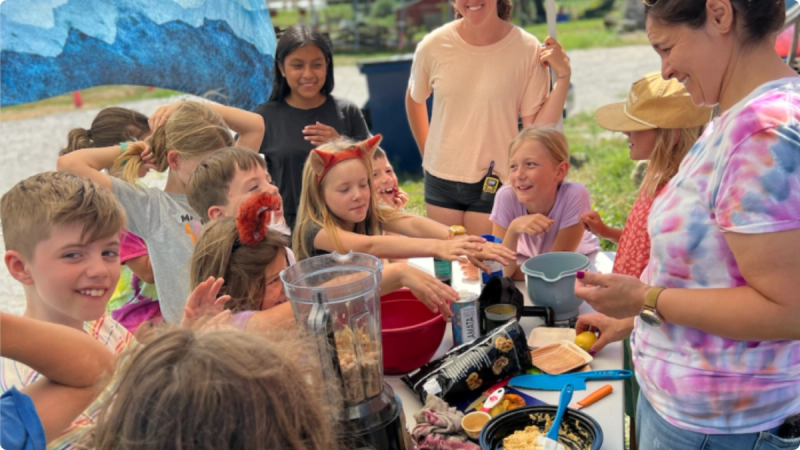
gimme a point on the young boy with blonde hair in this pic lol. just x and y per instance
(61, 234)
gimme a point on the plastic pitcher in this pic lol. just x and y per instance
(550, 281)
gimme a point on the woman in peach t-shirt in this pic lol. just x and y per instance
(486, 74)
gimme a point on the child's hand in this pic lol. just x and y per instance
(594, 223)
(532, 224)
(161, 115)
(431, 292)
(493, 252)
(319, 133)
(203, 302)
(553, 55)
(400, 199)
(455, 249)
(148, 158)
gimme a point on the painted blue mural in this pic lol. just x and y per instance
(220, 49)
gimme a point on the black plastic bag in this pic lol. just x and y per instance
(472, 367)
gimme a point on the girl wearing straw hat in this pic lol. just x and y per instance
(662, 124)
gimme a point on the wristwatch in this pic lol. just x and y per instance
(456, 230)
(649, 312)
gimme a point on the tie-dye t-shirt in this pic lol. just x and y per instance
(742, 176)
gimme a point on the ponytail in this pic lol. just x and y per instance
(77, 139)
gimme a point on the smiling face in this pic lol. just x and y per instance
(346, 191)
(697, 58)
(273, 293)
(305, 71)
(72, 280)
(533, 174)
(477, 12)
(383, 177)
(641, 144)
(245, 184)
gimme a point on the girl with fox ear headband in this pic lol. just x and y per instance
(338, 212)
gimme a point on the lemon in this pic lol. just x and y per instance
(585, 340)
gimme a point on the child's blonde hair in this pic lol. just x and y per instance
(211, 180)
(221, 389)
(34, 206)
(313, 208)
(670, 148)
(553, 140)
(218, 253)
(110, 127)
(191, 130)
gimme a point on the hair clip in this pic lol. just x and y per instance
(254, 216)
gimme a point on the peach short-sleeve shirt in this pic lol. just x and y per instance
(479, 95)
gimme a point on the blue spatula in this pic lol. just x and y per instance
(557, 382)
(550, 441)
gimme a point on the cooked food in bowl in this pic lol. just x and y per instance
(526, 439)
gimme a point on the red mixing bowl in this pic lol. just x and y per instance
(411, 332)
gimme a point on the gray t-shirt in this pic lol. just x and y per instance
(169, 227)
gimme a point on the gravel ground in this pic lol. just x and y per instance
(31, 146)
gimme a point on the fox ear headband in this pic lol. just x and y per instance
(322, 162)
(254, 217)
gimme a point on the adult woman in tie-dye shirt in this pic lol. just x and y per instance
(723, 370)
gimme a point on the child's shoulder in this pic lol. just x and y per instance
(574, 190)
(343, 104)
(110, 333)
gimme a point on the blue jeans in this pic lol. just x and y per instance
(655, 433)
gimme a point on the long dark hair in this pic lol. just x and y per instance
(293, 38)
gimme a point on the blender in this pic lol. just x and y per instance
(336, 299)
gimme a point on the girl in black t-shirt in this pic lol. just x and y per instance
(301, 112)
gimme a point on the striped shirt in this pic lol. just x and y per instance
(14, 374)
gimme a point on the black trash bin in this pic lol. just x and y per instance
(387, 81)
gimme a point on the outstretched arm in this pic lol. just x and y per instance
(71, 362)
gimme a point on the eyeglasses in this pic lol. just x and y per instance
(649, 3)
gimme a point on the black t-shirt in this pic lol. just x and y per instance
(286, 150)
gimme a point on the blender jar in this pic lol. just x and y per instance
(336, 297)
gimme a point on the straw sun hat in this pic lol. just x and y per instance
(653, 103)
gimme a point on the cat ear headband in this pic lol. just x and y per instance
(322, 162)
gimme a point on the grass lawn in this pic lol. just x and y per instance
(96, 97)
(605, 172)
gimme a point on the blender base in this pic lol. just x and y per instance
(385, 422)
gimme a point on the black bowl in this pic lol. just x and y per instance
(588, 431)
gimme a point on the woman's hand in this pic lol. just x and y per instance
(431, 292)
(610, 330)
(319, 133)
(532, 224)
(553, 55)
(615, 295)
(161, 115)
(204, 305)
(492, 252)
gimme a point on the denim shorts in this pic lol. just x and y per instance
(655, 433)
(456, 195)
